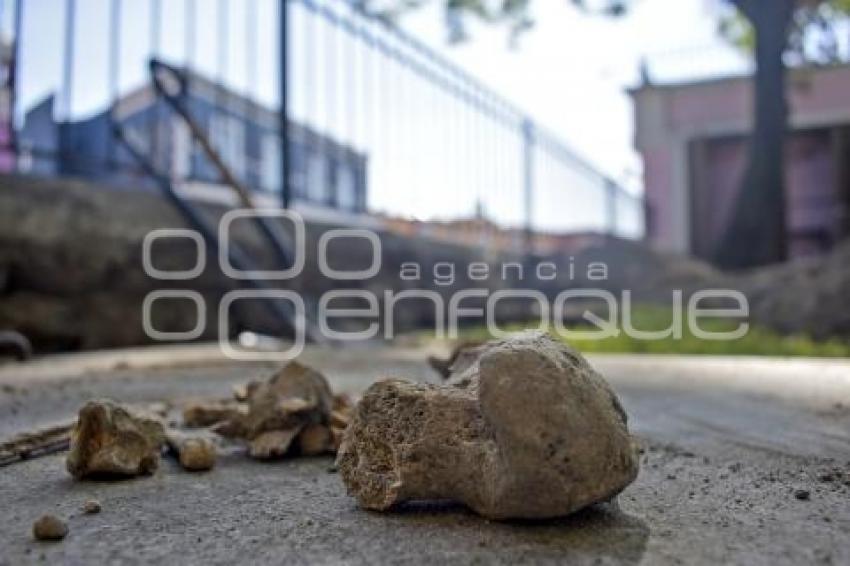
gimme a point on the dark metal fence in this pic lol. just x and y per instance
(378, 123)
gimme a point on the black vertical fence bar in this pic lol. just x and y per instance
(374, 102)
(250, 50)
(189, 49)
(310, 83)
(14, 76)
(334, 114)
(154, 20)
(223, 43)
(338, 125)
(254, 122)
(285, 162)
(351, 90)
(114, 61)
(319, 149)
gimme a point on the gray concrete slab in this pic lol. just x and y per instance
(726, 444)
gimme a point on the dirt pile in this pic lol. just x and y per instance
(808, 296)
(804, 296)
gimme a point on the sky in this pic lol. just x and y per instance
(429, 156)
(571, 71)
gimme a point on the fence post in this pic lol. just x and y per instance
(285, 162)
(528, 137)
(12, 83)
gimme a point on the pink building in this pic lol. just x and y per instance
(693, 141)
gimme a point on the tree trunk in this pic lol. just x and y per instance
(756, 233)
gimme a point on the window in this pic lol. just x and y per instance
(298, 171)
(181, 149)
(346, 187)
(317, 178)
(227, 136)
(270, 154)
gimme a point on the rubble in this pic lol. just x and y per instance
(272, 443)
(49, 527)
(109, 440)
(294, 410)
(343, 407)
(461, 356)
(315, 439)
(91, 507)
(527, 429)
(294, 401)
(201, 414)
(243, 391)
(53, 438)
(195, 453)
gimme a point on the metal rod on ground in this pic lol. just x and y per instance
(49, 440)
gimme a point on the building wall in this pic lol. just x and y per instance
(679, 127)
(240, 134)
(7, 154)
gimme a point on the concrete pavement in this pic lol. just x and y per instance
(727, 442)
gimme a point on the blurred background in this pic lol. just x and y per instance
(686, 144)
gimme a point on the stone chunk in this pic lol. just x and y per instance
(297, 398)
(526, 430)
(109, 440)
(195, 453)
(91, 507)
(202, 414)
(49, 527)
(461, 356)
(315, 439)
(272, 443)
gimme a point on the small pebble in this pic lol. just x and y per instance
(91, 507)
(802, 494)
(49, 527)
(197, 454)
